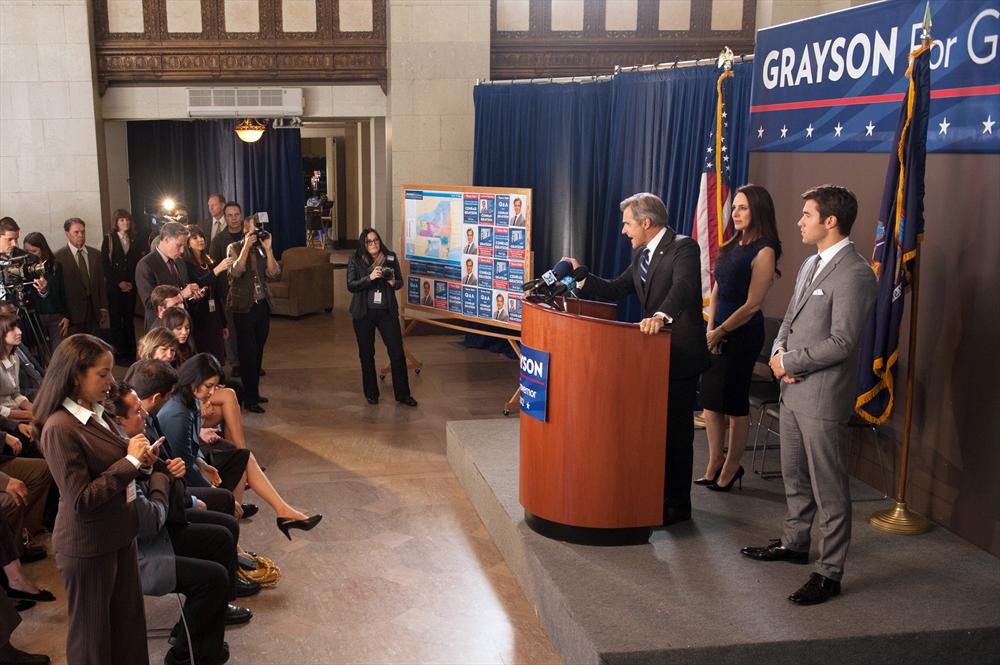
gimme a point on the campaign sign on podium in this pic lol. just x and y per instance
(534, 382)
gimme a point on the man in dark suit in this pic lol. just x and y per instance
(216, 221)
(665, 274)
(163, 265)
(86, 290)
(815, 355)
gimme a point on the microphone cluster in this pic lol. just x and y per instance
(558, 281)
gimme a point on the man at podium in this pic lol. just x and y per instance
(665, 275)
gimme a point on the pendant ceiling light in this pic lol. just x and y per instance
(250, 131)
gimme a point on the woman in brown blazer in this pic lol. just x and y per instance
(95, 467)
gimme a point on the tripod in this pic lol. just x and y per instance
(38, 339)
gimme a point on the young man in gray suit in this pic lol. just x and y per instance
(815, 355)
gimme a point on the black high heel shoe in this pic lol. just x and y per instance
(705, 482)
(286, 524)
(716, 487)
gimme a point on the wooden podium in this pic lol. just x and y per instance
(592, 473)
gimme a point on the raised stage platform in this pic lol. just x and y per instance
(690, 597)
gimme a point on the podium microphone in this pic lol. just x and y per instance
(550, 277)
(568, 283)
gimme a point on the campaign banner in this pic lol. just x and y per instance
(835, 83)
(413, 290)
(501, 276)
(486, 208)
(485, 241)
(454, 297)
(501, 242)
(534, 383)
(514, 305)
(516, 243)
(485, 304)
(470, 301)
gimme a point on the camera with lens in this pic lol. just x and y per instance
(20, 270)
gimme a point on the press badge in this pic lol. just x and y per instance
(211, 304)
(377, 298)
(130, 492)
(258, 290)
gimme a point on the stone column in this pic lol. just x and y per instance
(48, 130)
(437, 50)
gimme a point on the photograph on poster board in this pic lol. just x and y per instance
(468, 250)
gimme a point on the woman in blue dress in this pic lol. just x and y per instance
(744, 271)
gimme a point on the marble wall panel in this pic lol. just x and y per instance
(183, 15)
(242, 15)
(727, 14)
(513, 15)
(675, 15)
(356, 16)
(621, 15)
(567, 15)
(298, 15)
(125, 15)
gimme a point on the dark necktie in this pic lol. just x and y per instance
(173, 271)
(810, 276)
(81, 262)
(644, 265)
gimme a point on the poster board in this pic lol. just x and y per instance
(468, 251)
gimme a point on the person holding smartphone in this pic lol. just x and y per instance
(372, 278)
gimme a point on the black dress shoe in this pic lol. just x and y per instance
(11, 654)
(250, 509)
(235, 615)
(262, 399)
(818, 589)
(262, 372)
(42, 596)
(254, 408)
(178, 657)
(372, 400)
(704, 482)
(33, 554)
(675, 515)
(245, 587)
(22, 605)
(775, 551)
(407, 401)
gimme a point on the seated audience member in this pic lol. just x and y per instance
(15, 583)
(158, 344)
(9, 620)
(93, 465)
(178, 321)
(13, 404)
(83, 271)
(180, 420)
(206, 540)
(163, 298)
(52, 310)
(28, 375)
(208, 315)
(24, 488)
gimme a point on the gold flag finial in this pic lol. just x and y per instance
(726, 58)
(925, 36)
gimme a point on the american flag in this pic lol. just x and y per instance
(712, 223)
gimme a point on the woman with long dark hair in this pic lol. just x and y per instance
(95, 468)
(120, 253)
(52, 310)
(744, 271)
(373, 277)
(207, 315)
(231, 467)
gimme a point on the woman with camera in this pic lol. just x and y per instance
(373, 278)
(52, 310)
(249, 301)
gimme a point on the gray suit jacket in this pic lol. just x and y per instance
(821, 333)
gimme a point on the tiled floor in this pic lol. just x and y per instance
(401, 570)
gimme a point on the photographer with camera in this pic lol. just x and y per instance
(23, 285)
(249, 302)
(373, 278)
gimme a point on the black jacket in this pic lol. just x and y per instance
(119, 265)
(359, 284)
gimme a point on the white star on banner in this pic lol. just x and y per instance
(870, 127)
(838, 129)
(988, 124)
(709, 150)
(944, 126)
(784, 131)
(809, 131)
(760, 132)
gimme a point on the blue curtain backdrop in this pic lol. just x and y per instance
(583, 147)
(189, 160)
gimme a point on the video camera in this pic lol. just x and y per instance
(17, 272)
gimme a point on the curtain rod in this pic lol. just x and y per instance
(676, 64)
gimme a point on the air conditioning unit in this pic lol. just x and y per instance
(244, 102)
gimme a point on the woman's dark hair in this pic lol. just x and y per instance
(763, 224)
(121, 213)
(195, 371)
(36, 239)
(176, 317)
(201, 258)
(7, 323)
(71, 360)
(361, 253)
(115, 402)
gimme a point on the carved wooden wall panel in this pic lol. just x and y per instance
(216, 56)
(542, 52)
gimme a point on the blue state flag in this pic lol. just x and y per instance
(897, 242)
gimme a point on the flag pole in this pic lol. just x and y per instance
(899, 519)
